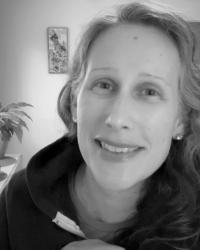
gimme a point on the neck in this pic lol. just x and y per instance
(108, 205)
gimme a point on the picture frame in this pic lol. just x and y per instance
(58, 49)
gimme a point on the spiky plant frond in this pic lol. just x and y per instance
(12, 120)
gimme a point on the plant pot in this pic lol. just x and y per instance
(3, 147)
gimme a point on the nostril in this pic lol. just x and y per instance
(118, 122)
(97, 142)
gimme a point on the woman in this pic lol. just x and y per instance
(126, 175)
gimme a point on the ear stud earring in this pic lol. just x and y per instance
(178, 137)
(74, 119)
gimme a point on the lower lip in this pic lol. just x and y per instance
(118, 157)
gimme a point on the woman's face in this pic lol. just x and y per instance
(128, 105)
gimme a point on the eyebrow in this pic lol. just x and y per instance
(144, 74)
(104, 69)
(155, 76)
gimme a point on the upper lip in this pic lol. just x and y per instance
(119, 144)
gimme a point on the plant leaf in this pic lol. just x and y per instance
(6, 134)
(2, 122)
(23, 124)
(19, 132)
(20, 113)
(10, 118)
(12, 123)
(15, 106)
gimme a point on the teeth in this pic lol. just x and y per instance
(117, 149)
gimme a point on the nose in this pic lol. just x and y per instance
(120, 114)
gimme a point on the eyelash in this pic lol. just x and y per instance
(156, 92)
(100, 85)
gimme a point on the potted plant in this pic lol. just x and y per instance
(12, 122)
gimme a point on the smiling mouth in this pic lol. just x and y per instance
(118, 149)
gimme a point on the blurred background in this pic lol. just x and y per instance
(24, 59)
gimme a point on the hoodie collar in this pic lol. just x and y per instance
(47, 176)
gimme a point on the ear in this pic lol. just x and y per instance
(74, 107)
(178, 128)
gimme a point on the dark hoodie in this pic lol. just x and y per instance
(36, 211)
(35, 195)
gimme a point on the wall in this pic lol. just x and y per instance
(23, 59)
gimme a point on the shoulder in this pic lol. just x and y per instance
(17, 183)
(16, 192)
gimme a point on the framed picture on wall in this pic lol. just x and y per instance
(196, 28)
(58, 50)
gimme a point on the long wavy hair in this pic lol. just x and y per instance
(168, 214)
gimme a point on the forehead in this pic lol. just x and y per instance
(134, 45)
(129, 29)
(139, 35)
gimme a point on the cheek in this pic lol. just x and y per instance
(162, 121)
(159, 132)
(90, 112)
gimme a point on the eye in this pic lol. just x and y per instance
(150, 92)
(103, 86)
